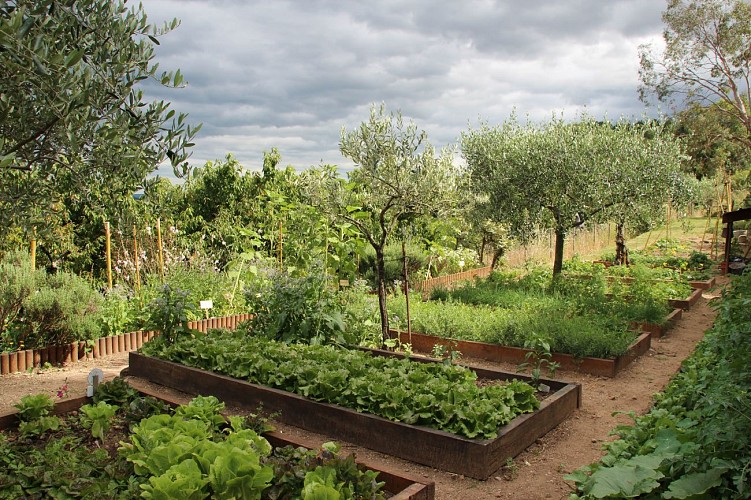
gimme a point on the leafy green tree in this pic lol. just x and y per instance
(706, 59)
(73, 117)
(648, 175)
(397, 177)
(708, 132)
(563, 175)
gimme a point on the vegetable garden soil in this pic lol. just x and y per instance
(536, 473)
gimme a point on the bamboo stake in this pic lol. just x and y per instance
(406, 292)
(33, 252)
(137, 283)
(159, 247)
(706, 228)
(281, 256)
(108, 256)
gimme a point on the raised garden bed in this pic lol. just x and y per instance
(402, 486)
(499, 353)
(689, 301)
(703, 284)
(439, 449)
(658, 331)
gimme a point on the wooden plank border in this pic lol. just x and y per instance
(439, 449)
(499, 353)
(689, 301)
(20, 361)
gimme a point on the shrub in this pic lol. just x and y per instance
(168, 313)
(17, 282)
(296, 309)
(64, 308)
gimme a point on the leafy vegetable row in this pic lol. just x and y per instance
(190, 453)
(444, 397)
(696, 440)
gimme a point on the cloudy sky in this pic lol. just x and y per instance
(290, 74)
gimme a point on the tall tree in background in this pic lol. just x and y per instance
(73, 120)
(706, 60)
(397, 176)
(563, 175)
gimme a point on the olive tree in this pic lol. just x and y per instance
(644, 175)
(397, 176)
(73, 116)
(563, 175)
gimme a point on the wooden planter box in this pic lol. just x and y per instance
(686, 303)
(703, 284)
(498, 353)
(439, 449)
(658, 331)
(401, 485)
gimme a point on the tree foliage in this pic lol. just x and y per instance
(73, 117)
(563, 175)
(706, 60)
(397, 177)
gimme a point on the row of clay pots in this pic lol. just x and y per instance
(28, 359)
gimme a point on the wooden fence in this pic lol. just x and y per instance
(449, 280)
(20, 361)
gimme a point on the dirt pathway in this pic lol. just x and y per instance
(536, 473)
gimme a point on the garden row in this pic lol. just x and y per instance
(169, 450)
(695, 442)
(578, 324)
(418, 409)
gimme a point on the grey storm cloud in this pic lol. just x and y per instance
(291, 74)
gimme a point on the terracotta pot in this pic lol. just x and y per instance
(29, 355)
(108, 346)
(73, 347)
(120, 343)
(37, 358)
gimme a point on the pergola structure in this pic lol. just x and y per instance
(728, 218)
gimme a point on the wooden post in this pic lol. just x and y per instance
(137, 282)
(33, 253)
(159, 247)
(108, 256)
(406, 291)
(281, 256)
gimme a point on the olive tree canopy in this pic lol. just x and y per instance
(73, 118)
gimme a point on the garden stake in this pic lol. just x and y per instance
(159, 247)
(135, 259)
(108, 255)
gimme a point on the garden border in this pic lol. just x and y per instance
(658, 331)
(403, 486)
(689, 301)
(499, 353)
(20, 361)
(439, 449)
